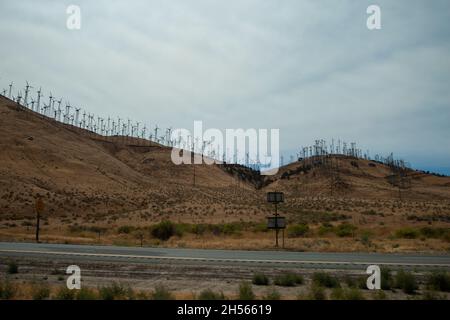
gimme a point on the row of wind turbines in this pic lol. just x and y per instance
(106, 127)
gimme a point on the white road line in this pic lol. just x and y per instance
(226, 260)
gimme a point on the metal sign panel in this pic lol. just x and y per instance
(275, 197)
(276, 222)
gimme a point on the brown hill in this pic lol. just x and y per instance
(89, 180)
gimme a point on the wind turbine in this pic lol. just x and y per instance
(84, 119)
(156, 133)
(38, 102)
(19, 97)
(66, 115)
(77, 116)
(58, 112)
(27, 89)
(50, 98)
(10, 90)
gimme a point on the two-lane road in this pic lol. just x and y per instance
(221, 257)
(79, 253)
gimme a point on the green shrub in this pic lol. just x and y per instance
(324, 279)
(199, 229)
(231, 228)
(40, 291)
(13, 268)
(161, 293)
(359, 282)
(325, 228)
(316, 292)
(345, 230)
(380, 295)
(353, 294)
(7, 290)
(86, 294)
(288, 280)
(297, 230)
(365, 239)
(272, 294)
(260, 279)
(246, 291)
(65, 293)
(433, 295)
(260, 227)
(429, 232)
(125, 229)
(406, 281)
(346, 294)
(407, 233)
(439, 280)
(387, 282)
(116, 291)
(163, 230)
(208, 294)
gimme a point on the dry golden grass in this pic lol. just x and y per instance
(88, 180)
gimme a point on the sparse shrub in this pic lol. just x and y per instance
(161, 293)
(7, 290)
(272, 294)
(163, 230)
(246, 291)
(65, 293)
(125, 229)
(436, 233)
(86, 294)
(345, 230)
(407, 233)
(13, 267)
(260, 227)
(439, 280)
(231, 228)
(406, 281)
(324, 279)
(209, 294)
(387, 281)
(433, 295)
(316, 292)
(297, 230)
(288, 280)
(380, 295)
(359, 282)
(40, 291)
(199, 229)
(353, 294)
(346, 294)
(260, 279)
(116, 291)
(325, 228)
(365, 239)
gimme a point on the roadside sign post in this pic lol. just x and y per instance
(276, 222)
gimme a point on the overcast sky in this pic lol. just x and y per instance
(310, 68)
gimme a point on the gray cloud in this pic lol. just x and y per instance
(310, 68)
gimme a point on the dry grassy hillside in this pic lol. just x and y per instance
(80, 173)
(92, 186)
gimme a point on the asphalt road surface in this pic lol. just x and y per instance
(80, 253)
